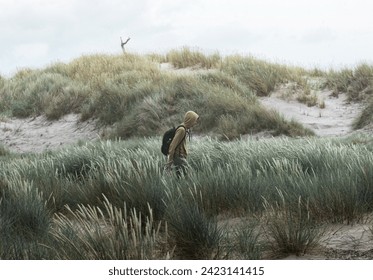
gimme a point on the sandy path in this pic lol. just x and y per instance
(38, 134)
(334, 120)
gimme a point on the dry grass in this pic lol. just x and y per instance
(129, 90)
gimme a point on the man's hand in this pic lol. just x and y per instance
(168, 167)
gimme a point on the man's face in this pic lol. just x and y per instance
(197, 122)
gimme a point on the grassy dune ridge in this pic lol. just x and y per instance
(131, 92)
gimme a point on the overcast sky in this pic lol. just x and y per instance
(322, 33)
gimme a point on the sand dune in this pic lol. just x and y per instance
(335, 119)
(38, 134)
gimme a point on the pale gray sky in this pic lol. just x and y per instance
(323, 33)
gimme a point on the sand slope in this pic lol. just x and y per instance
(334, 120)
(38, 134)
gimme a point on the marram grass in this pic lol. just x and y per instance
(95, 185)
(128, 91)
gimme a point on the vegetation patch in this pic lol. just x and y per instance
(64, 204)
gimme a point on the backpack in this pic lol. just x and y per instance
(167, 139)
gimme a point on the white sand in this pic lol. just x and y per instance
(334, 120)
(38, 134)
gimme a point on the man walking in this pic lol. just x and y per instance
(177, 153)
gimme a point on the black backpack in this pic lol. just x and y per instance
(167, 139)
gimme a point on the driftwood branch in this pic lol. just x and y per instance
(123, 43)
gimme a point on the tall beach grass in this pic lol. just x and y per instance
(112, 200)
(84, 191)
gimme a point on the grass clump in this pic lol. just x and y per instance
(366, 117)
(25, 221)
(290, 228)
(35, 93)
(260, 76)
(247, 241)
(110, 233)
(192, 58)
(23, 212)
(357, 82)
(196, 235)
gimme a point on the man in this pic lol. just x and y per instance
(177, 153)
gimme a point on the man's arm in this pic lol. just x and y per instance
(176, 141)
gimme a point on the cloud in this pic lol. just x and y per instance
(317, 35)
(31, 51)
(229, 39)
(61, 30)
(25, 56)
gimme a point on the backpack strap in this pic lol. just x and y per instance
(183, 137)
